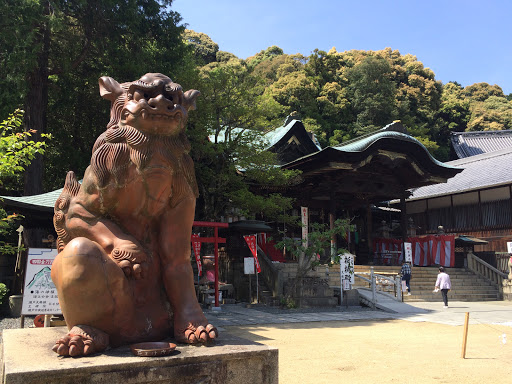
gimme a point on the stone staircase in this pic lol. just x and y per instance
(466, 286)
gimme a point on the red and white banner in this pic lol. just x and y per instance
(196, 245)
(426, 250)
(433, 250)
(251, 242)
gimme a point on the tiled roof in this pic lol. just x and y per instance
(468, 144)
(480, 171)
(43, 202)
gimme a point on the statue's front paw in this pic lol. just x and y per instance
(131, 259)
(195, 335)
(82, 340)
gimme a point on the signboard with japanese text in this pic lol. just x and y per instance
(305, 223)
(39, 292)
(509, 247)
(346, 270)
(408, 252)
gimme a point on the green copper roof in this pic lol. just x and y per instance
(44, 202)
(394, 131)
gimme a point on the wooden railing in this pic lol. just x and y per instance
(481, 268)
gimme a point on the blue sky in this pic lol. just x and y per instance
(465, 41)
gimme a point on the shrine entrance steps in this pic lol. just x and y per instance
(466, 286)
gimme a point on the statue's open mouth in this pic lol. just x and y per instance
(145, 114)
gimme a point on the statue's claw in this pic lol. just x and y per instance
(81, 340)
(200, 334)
(213, 333)
(190, 337)
(130, 258)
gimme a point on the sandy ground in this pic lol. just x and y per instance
(392, 351)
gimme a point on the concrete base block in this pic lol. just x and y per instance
(28, 359)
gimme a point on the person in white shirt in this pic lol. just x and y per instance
(444, 284)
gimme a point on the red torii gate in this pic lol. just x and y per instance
(216, 240)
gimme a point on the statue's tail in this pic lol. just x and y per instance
(70, 190)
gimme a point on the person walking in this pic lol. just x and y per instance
(406, 276)
(444, 284)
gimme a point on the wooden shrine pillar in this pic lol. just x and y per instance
(369, 227)
(332, 219)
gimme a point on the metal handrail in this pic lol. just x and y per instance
(397, 285)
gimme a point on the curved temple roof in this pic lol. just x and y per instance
(391, 141)
(376, 167)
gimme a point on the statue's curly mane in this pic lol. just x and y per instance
(119, 146)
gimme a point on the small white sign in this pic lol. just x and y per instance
(347, 268)
(249, 265)
(509, 246)
(408, 252)
(39, 292)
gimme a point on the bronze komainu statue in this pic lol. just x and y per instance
(123, 272)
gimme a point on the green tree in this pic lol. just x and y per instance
(205, 49)
(17, 150)
(233, 165)
(53, 51)
(482, 91)
(307, 251)
(452, 116)
(372, 94)
(490, 109)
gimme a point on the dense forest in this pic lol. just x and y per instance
(340, 95)
(52, 53)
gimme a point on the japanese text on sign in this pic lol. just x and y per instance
(40, 294)
(346, 269)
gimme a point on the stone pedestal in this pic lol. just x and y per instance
(28, 358)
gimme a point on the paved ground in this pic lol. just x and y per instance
(418, 343)
(486, 312)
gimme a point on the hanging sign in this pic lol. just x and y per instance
(196, 245)
(408, 252)
(305, 222)
(39, 293)
(251, 242)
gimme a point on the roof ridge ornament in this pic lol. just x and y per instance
(395, 126)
